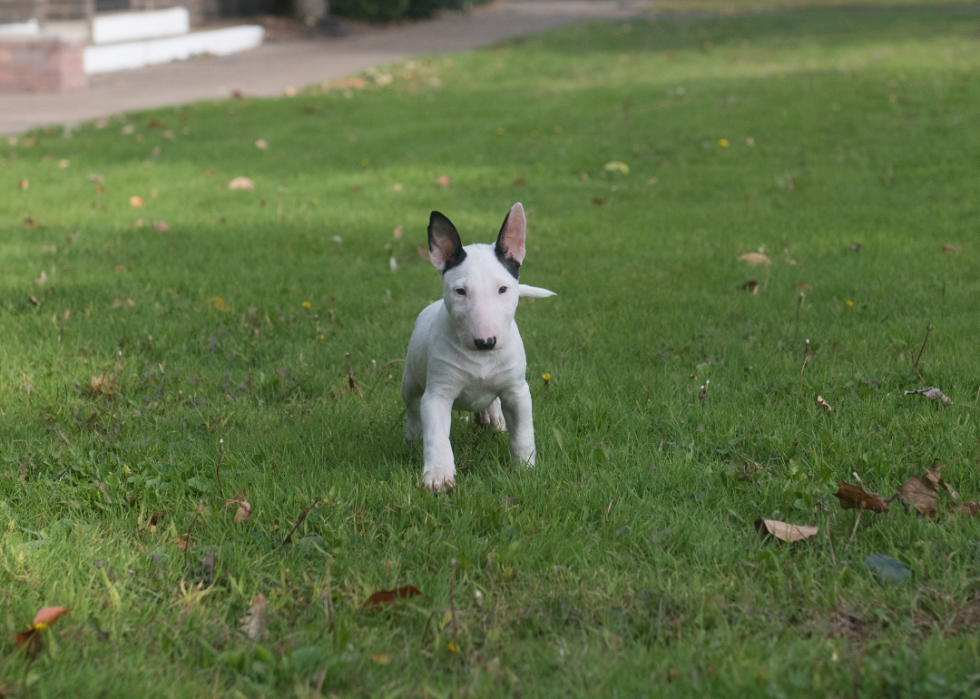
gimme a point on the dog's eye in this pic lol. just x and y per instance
(461, 292)
(503, 290)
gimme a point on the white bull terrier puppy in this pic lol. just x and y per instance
(466, 352)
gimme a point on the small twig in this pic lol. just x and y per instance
(321, 676)
(351, 380)
(833, 558)
(915, 359)
(856, 523)
(217, 468)
(606, 516)
(807, 357)
(799, 305)
(187, 542)
(298, 522)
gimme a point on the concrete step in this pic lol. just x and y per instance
(135, 26)
(127, 55)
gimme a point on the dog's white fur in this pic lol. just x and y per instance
(445, 370)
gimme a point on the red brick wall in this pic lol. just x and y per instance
(34, 64)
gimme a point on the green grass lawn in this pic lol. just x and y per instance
(626, 563)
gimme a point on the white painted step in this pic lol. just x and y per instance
(132, 26)
(139, 54)
(21, 28)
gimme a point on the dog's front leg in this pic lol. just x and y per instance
(516, 405)
(440, 469)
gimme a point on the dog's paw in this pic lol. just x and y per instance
(438, 480)
(492, 417)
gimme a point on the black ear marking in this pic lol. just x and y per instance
(509, 263)
(444, 243)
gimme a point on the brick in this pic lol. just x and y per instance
(41, 65)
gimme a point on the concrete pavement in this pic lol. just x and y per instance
(271, 68)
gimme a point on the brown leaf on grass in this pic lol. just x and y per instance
(755, 258)
(389, 598)
(785, 532)
(96, 178)
(803, 288)
(399, 230)
(22, 185)
(136, 201)
(598, 201)
(244, 513)
(29, 223)
(950, 248)
(41, 280)
(423, 252)
(520, 182)
(236, 499)
(751, 285)
(253, 623)
(156, 517)
(444, 180)
(856, 247)
(241, 183)
(34, 301)
(922, 492)
(967, 509)
(42, 620)
(855, 497)
(160, 226)
(121, 302)
(931, 393)
(181, 543)
(821, 403)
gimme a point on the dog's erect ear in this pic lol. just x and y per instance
(510, 241)
(445, 247)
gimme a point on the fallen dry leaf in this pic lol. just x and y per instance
(821, 403)
(253, 623)
(399, 230)
(235, 499)
(34, 301)
(241, 183)
(63, 164)
(652, 180)
(931, 393)
(96, 178)
(856, 247)
(785, 532)
(520, 182)
(380, 659)
(755, 258)
(598, 201)
(160, 226)
(389, 598)
(29, 223)
(444, 181)
(136, 201)
(854, 497)
(42, 620)
(751, 285)
(397, 188)
(40, 281)
(156, 517)
(950, 248)
(423, 251)
(616, 166)
(968, 509)
(244, 513)
(23, 185)
(803, 288)
(119, 269)
(120, 303)
(584, 176)
(181, 543)
(261, 144)
(922, 492)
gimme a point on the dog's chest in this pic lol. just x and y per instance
(480, 387)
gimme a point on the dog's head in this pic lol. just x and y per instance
(480, 282)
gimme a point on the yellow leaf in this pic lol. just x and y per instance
(616, 166)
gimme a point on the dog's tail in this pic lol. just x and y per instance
(534, 292)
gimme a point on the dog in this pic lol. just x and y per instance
(466, 352)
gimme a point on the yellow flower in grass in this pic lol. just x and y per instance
(546, 377)
(723, 142)
(850, 304)
(306, 304)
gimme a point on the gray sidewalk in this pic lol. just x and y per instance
(271, 68)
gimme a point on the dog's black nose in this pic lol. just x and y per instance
(486, 344)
